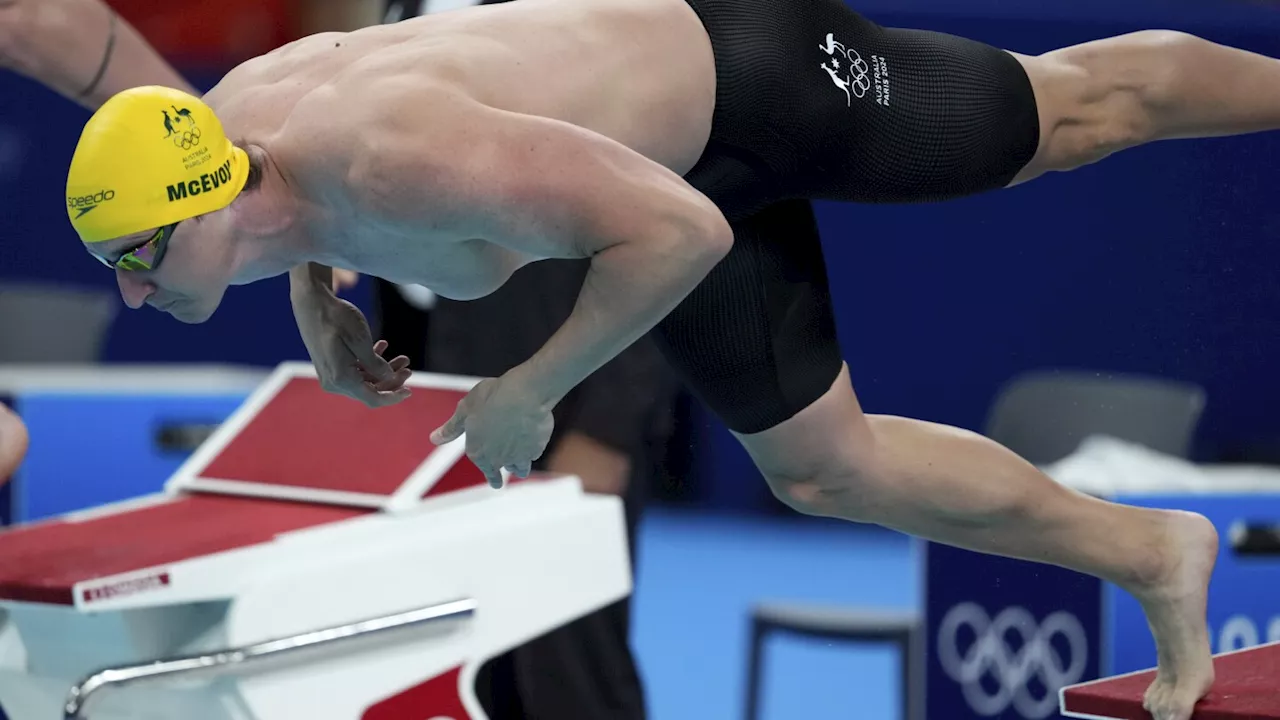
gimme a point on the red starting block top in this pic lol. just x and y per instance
(293, 440)
(291, 457)
(1247, 687)
(44, 562)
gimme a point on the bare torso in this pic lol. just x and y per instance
(639, 72)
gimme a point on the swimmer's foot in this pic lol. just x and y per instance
(1175, 606)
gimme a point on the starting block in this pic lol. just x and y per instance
(313, 559)
(1247, 687)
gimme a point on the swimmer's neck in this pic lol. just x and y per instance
(277, 228)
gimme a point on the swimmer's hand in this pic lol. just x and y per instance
(507, 423)
(341, 345)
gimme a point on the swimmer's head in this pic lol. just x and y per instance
(148, 191)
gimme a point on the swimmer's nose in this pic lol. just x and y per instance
(134, 289)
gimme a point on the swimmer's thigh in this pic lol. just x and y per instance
(864, 113)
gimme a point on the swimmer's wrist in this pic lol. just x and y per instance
(547, 388)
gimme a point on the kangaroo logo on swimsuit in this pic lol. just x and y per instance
(847, 69)
(182, 128)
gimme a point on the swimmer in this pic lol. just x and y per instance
(677, 145)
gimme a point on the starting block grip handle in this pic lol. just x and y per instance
(235, 660)
(1255, 539)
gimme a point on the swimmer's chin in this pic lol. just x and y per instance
(249, 274)
(190, 316)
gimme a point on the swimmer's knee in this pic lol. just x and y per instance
(810, 495)
(1105, 96)
(844, 489)
(821, 460)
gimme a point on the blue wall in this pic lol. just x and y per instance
(1159, 260)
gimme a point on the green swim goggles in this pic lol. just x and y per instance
(146, 256)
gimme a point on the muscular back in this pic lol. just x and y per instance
(637, 71)
(395, 138)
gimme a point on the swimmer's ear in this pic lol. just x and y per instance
(257, 163)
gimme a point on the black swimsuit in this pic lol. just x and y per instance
(814, 102)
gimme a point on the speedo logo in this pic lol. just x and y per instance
(85, 203)
(202, 184)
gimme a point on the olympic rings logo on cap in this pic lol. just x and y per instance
(188, 139)
(991, 655)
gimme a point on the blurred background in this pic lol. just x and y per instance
(1158, 264)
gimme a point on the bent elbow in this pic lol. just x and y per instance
(712, 236)
(19, 51)
(10, 31)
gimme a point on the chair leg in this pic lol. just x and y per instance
(905, 658)
(912, 674)
(755, 669)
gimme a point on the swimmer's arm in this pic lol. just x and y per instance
(550, 189)
(309, 278)
(81, 49)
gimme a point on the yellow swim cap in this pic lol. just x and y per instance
(150, 156)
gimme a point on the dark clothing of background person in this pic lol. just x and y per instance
(584, 670)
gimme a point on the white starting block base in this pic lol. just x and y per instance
(199, 573)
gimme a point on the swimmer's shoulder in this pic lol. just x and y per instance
(400, 148)
(244, 77)
(289, 64)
